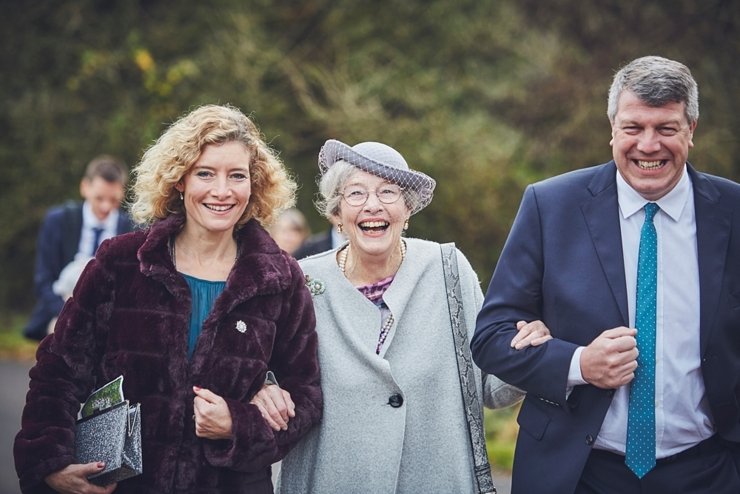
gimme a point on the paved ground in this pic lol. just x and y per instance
(14, 383)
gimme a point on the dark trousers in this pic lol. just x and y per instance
(710, 467)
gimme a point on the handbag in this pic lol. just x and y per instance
(471, 402)
(112, 435)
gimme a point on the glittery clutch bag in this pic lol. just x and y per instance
(113, 436)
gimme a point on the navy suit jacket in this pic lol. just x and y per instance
(315, 244)
(562, 263)
(57, 245)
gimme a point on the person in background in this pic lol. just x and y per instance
(192, 311)
(290, 230)
(328, 239)
(634, 265)
(73, 231)
(394, 419)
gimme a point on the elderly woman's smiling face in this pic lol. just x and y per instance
(374, 227)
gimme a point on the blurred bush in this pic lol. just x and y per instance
(501, 430)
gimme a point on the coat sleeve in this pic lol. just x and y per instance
(496, 393)
(254, 445)
(59, 382)
(515, 294)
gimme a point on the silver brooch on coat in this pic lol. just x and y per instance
(315, 286)
(241, 326)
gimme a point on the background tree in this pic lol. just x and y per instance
(484, 96)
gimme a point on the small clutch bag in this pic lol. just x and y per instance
(112, 435)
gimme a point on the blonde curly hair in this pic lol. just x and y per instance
(172, 156)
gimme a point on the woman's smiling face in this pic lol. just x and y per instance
(373, 228)
(217, 188)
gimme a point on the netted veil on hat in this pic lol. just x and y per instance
(383, 161)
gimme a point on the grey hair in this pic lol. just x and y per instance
(331, 184)
(656, 81)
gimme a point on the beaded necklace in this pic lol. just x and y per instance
(386, 328)
(342, 262)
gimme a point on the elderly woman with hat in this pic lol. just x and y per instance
(393, 417)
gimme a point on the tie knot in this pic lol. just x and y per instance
(650, 209)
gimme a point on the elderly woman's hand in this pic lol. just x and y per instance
(72, 479)
(533, 333)
(212, 415)
(275, 405)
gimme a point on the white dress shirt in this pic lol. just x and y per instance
(682, 416)
(90, 221)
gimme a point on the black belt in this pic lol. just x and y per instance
(714, 444)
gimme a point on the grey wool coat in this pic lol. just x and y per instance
(364, 444)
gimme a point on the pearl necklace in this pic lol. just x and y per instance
(388, 324)
(384, 333)
(342, 261)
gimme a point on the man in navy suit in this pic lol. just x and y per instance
(321, 242)
(73, 231)
(571, 260)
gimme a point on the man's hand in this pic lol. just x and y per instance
(611, 359)
(72, 479)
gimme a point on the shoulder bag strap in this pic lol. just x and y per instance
(471, 402)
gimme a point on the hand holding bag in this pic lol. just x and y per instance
(113, 436)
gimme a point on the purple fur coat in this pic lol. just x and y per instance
(130, 315)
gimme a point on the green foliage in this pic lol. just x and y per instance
(501, 431)
(484, 96)
(13, 345)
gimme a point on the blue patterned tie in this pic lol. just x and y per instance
(640, 455)
(97, 233)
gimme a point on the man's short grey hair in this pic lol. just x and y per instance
(331, 185)
(657, 81)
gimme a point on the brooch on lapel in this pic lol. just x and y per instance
(241, 326)
(315, 286)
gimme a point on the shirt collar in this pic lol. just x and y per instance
(673, 203)
(89, 220)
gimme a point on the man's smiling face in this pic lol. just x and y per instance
(651, 144)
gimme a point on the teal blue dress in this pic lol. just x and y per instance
(203, 293)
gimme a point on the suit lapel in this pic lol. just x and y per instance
(712, 238)
(601, 213)
(71, 231)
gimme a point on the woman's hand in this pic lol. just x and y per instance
(275, 405)
(534, 333)
(212, 415)
(72, 479)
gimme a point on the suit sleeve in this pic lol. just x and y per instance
(515, 294)
(49, 264)
(294, 360)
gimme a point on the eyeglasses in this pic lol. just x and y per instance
(356, 195)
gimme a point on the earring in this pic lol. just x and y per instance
(181, 197)
(406, 225)
(339, 227)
